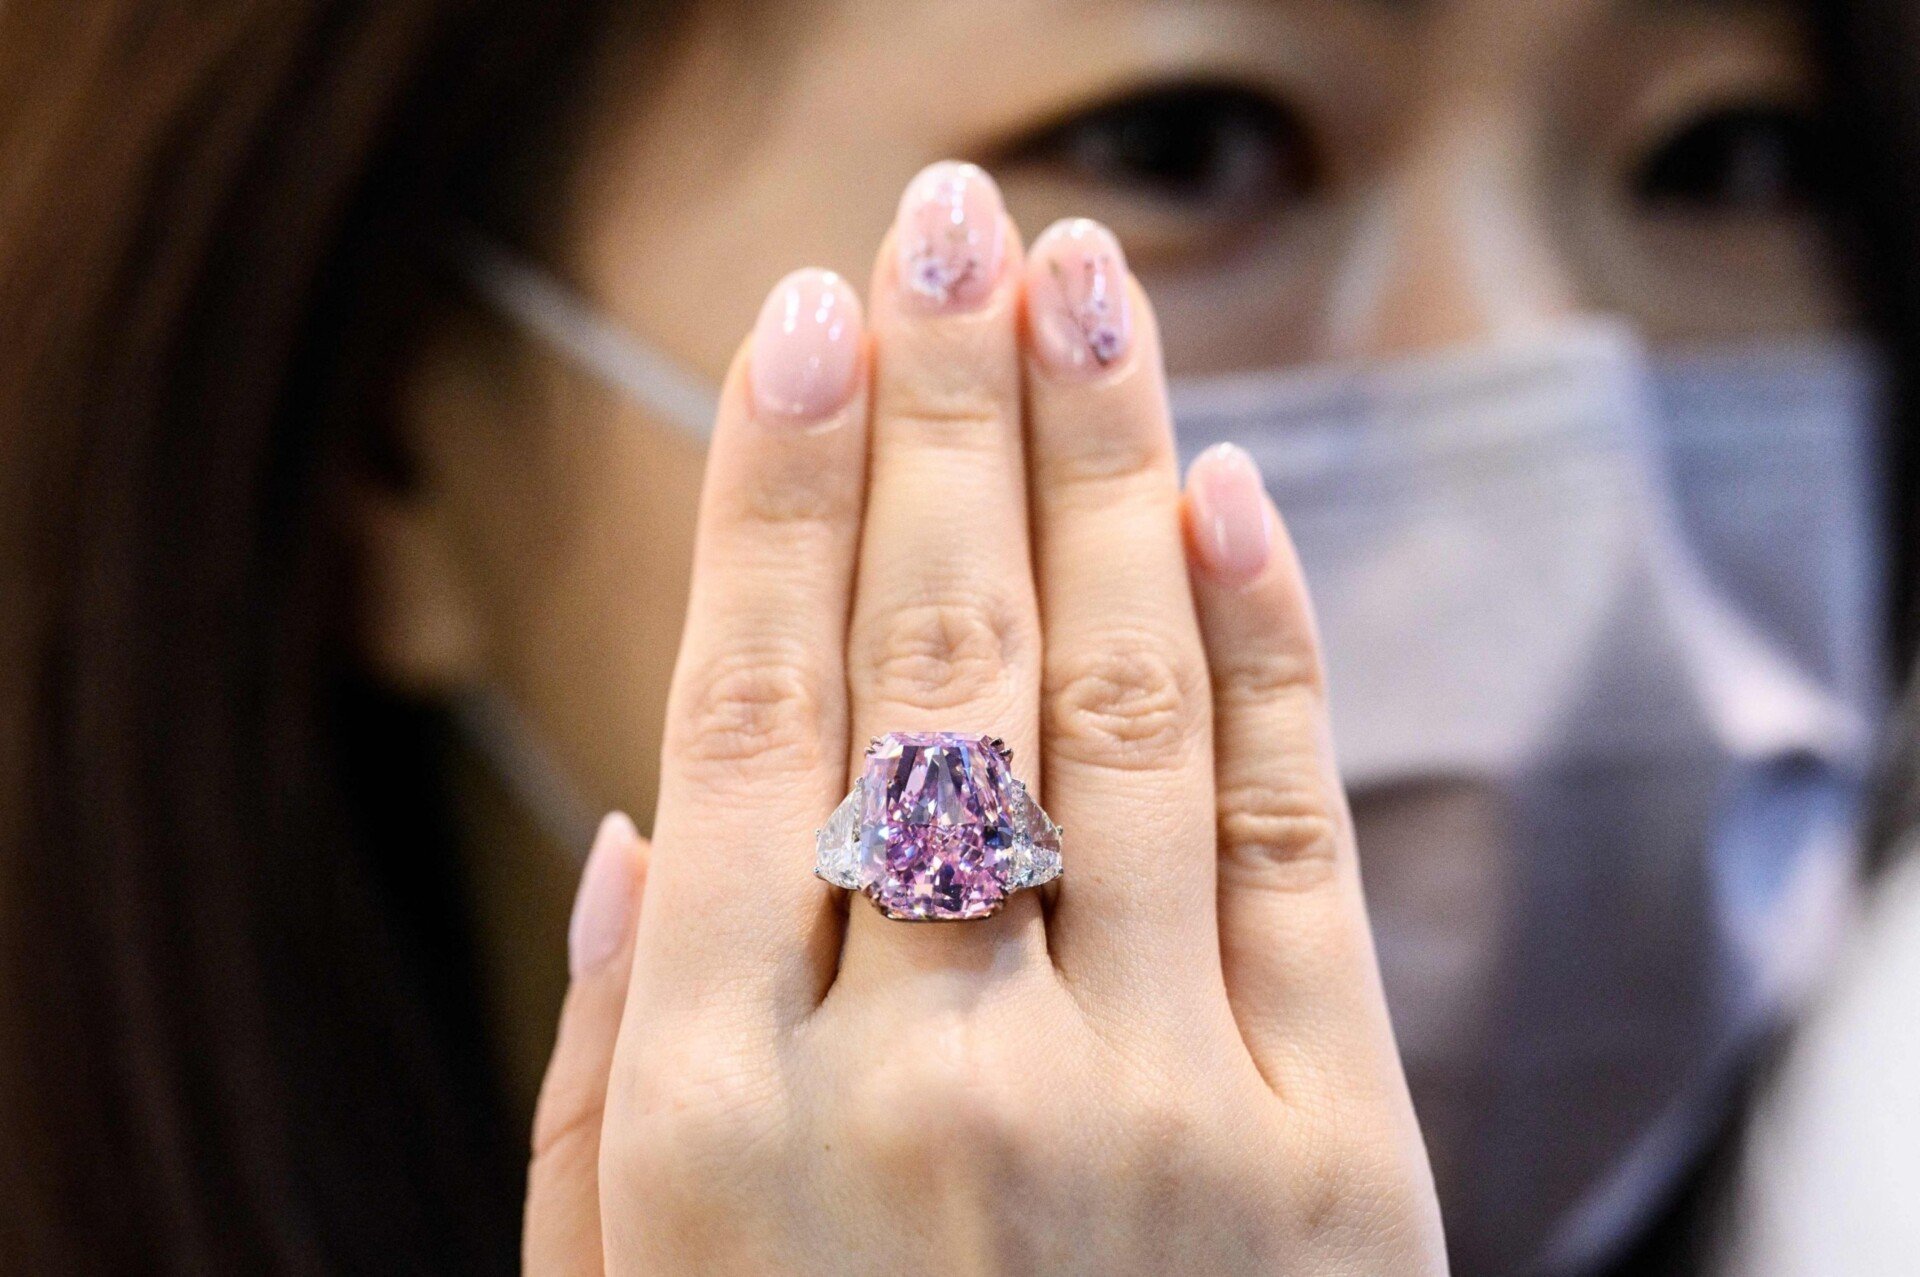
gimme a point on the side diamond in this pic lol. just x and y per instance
(1035, 855)
(837, 847)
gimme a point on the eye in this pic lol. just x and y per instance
(1220, 148)
(1748, 160)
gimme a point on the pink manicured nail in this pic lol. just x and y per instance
(1077, 303)
(1229, 512)
(603, 909)
(806, 347)
(950, 234)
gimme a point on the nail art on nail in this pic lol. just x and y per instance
(1077, 297)
(950, 236)
(806, 346)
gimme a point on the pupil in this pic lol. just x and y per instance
(1192, 143)
(1750, 160)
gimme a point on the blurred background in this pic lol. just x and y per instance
(355, 358)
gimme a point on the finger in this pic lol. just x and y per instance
(755, 747)
(562, 1234)
(1298, 953)
(1125, 706)
(945, 633)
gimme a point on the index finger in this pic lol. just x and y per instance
(755, 748)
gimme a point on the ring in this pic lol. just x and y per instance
(937, 829)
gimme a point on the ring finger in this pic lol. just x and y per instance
(945, 633)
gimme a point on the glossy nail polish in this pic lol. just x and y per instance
(950, 236)
(1079, 316)
(806, 347)
(1228, 508)
(603, 907)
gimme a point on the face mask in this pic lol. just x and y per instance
(1603, 643)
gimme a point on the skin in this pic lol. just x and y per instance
(1133, 1079)
(1474, 161)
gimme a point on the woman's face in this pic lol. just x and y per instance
(1293, 180)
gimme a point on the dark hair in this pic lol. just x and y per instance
(236, 1031)
(1872, 52)
(1871, 49)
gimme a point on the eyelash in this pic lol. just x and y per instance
(1225, 149)
(1751, 159)
(1222, 146)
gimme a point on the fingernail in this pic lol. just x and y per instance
(603, 909)
(806, 347)
(950, 234)
(1229, 512)
(1077, 307)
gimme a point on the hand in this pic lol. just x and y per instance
(967, 517)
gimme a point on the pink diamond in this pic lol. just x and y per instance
(938, 834)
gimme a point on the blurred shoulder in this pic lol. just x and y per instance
(1831, 1165)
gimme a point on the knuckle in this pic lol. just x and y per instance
(914, 1111)
(947, 396)
(561, 1120)
(951, 420)
(1136, 1135)
(698, 1115)
(1104, 468)
(1272, 677)
(1347, 1188)
(1279, 831)
(1161, 1125)
(563, 1143)
(1125, 705)
(751, 705)
(941, 654)
(803, 512)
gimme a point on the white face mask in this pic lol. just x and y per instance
(1604, 631)
(1622, 613)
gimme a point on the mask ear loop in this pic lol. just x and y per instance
(532, 299)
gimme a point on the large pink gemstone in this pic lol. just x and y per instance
(938, 830)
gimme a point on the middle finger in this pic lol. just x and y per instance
(945, 633)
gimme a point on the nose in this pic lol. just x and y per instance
(1452, 245)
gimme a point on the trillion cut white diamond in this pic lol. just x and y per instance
(837, 847)
(1036, 843)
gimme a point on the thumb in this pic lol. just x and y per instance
(562, 1233)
